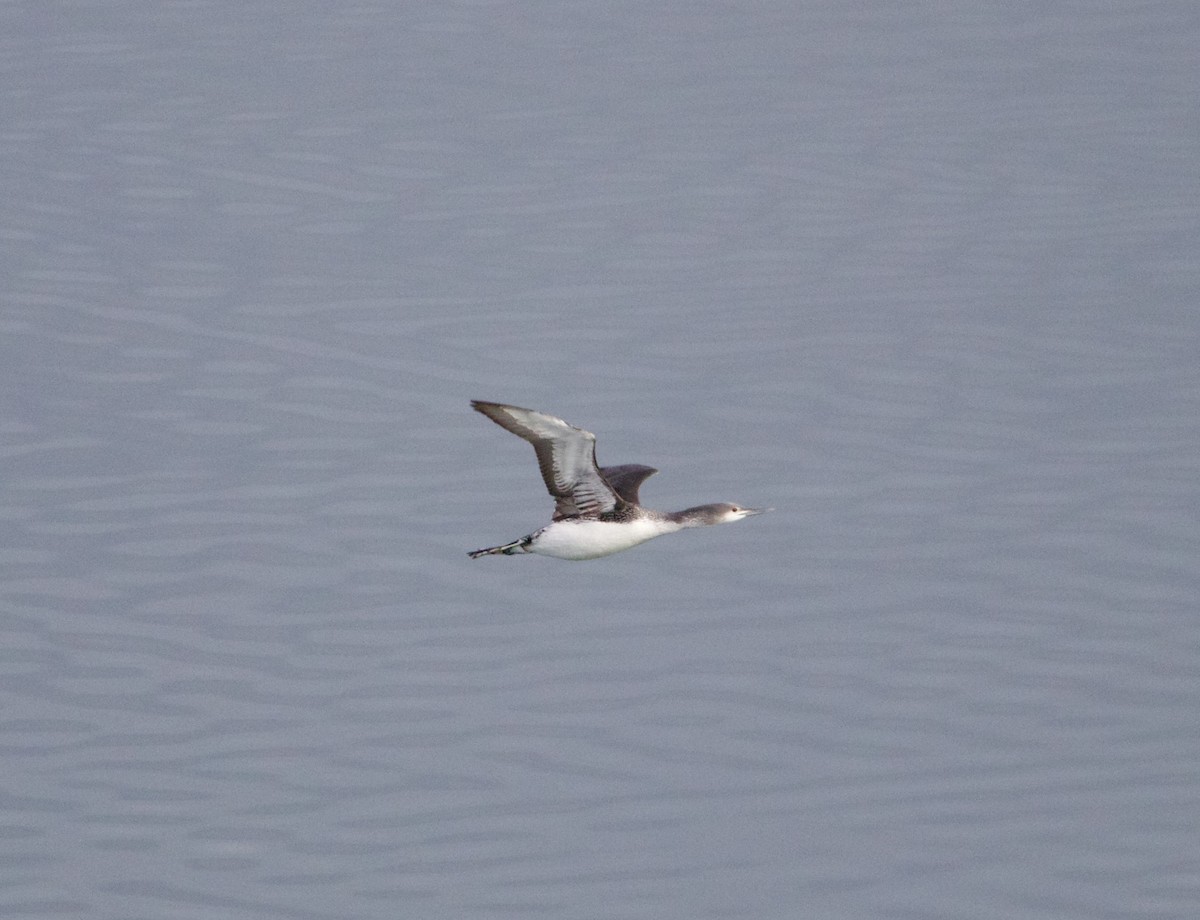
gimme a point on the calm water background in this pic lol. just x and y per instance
(923, 277)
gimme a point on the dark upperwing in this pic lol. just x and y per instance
(626, 478)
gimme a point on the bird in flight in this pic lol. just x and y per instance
(596, 510)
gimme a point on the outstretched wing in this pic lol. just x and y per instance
(566, 456)
(627, 478)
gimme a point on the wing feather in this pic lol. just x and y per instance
(566, 456)
(627, 478)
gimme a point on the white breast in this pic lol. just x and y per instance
(587, 539)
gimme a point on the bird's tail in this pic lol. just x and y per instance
(508, 549)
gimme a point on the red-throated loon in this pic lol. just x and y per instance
(596, 510)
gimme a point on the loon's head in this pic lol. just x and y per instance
(719, 513)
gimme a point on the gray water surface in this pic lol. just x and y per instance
(924, 278)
